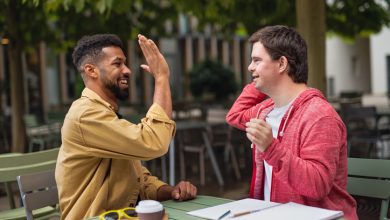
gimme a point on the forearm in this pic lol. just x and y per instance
(244, 108)
(162, 95)
(164, 193)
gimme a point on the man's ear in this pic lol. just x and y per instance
(283, 64)
(90, 71)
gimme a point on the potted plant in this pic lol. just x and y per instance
(211, 78)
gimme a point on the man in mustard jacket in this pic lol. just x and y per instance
(99, 163)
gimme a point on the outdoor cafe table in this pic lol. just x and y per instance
(192, 124)
(177, 210)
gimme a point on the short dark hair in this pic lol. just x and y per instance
(281, 41)
(89, 48)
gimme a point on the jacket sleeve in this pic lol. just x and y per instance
(107, 136)
(313, 171)
(151, 185)
(245, 107)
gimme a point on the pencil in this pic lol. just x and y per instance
(241, 213)
(253, 211)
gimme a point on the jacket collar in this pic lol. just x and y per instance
(90, 94)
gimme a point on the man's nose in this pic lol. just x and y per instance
(250, 67)
(127, 70)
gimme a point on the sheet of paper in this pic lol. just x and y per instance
(293, 211)
(235, 207)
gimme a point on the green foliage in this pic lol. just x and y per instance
(351, 18)
(212, 77)
(229, 16)
(347, 18)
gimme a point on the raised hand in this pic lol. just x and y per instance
(156, 63)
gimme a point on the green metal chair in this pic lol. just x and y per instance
(370, 178)
(36, 132)
(13, 165)
(38, 190)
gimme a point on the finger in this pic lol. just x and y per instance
(145, 46)
(146, 68)
(250, 137)
(256, 123)
(256, 129)
(193, 191)
(183, 190)
(154, 48)
(188, 190)
(176, 194)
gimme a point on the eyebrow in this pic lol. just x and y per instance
(119, 58)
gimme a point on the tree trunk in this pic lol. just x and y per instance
(311, 25)
(17, 79)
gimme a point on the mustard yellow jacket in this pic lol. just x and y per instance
(99, 163)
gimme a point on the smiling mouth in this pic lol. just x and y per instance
(124, 82)
(254, 77)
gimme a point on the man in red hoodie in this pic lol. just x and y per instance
(298, 139)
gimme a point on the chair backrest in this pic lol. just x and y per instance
(215, 115)
(377, 100)
(38, 190)
(359, 119)
(30, 120)
(370, 178)
(13, 165)
(219, 129)
(10, 160)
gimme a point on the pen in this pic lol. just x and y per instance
(224, 215)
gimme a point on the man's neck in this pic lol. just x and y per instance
(287, 93)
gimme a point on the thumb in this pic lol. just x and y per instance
(145, 67)
(176, 194)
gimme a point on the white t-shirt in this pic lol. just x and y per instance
(273, 118)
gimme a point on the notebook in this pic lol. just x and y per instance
(265, 210)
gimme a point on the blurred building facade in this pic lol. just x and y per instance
(361, 66)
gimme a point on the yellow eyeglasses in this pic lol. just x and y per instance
(126, 213)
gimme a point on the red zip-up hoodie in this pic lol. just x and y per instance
(309, 155)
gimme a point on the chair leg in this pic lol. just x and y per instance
(202, 167)
(383, 211)
(235, 163)
(10, 195)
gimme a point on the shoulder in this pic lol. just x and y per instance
(85, 107)
(318, 110)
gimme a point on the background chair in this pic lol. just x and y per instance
(362, 130)
(36, 133)
(370, 178)
(38, 190)
(193, 137)
(13, 165)
(221, 136)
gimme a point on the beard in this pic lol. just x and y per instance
(121, 94)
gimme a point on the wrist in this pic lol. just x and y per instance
(164, 193)
(161, 79)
